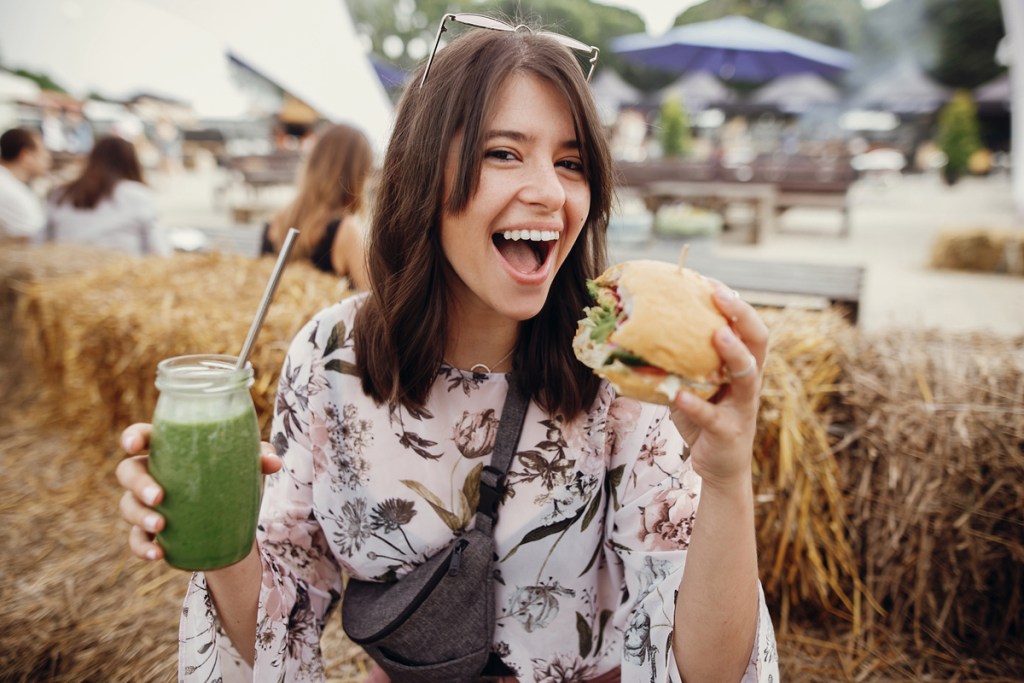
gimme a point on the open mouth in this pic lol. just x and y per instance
(525, 250)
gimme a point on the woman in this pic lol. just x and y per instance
(598, 519)
(328, 205)
(108, 205)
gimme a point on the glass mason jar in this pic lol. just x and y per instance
(205, 453)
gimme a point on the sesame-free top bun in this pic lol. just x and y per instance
(671, 317)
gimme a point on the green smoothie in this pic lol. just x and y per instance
(204, 452)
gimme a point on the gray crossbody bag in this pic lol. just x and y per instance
(436, 623)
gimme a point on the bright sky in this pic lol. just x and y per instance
(659, 14)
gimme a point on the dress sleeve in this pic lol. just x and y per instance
(654, 506)
(301, 579)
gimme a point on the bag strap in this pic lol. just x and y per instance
(492, 478)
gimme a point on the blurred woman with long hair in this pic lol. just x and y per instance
(108, 205)
(328, 207)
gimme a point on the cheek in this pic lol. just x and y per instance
(578, 211)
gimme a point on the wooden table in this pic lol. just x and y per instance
(762, 196)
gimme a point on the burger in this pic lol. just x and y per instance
(650, 331)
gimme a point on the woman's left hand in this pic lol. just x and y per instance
(721, 431)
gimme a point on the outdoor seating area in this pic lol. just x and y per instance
(251, 176)
(772, 184)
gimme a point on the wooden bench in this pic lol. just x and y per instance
(798, 181)
(771, 283)
(809, 182)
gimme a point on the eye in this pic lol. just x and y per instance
(500, 154)
(571, 164)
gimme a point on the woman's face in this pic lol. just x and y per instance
(532, 200)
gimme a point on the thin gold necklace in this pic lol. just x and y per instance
(485, 369)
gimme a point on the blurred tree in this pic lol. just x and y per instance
(674, 129)
(40, 79)
(958, 134)
(838, 23)
(401, 32)
(967, 34)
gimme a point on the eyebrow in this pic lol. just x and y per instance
(519, 136)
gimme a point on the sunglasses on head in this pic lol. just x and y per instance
(481, 21)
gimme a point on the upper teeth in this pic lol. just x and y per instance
(534, 235)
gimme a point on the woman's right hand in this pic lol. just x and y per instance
(142, 493)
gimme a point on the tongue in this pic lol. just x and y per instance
(520, 255)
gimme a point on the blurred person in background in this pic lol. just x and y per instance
(328, 206)
(108, 205)
(52, 125)
(168, 141)
(79, 133)
(23, 158)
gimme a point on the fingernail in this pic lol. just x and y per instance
(724, 293)
(150, 522)
(152, 554)
(130, 442)
(684, 398)
(149, 494)
(728, 336)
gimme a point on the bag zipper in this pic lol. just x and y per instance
(451, 567)
(455, 561)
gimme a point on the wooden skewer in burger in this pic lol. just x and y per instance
(650, 332)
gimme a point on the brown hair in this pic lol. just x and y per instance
(401, 330)
(331, 187)
(111, 160)
(17, 140)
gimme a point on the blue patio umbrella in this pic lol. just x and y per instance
(734, 48)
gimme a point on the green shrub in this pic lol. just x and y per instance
(958, 135)
(675, 129)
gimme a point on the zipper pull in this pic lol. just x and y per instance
(456, 560)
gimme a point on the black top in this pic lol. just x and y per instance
(321, 256)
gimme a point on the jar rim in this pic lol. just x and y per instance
(204, 373)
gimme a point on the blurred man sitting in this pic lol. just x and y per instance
(23, 158)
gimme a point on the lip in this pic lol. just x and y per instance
(539, 276)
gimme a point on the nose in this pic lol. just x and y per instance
(543, 187)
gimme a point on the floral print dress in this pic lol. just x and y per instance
(591, 536)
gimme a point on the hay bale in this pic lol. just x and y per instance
(936, 485)
(817, 652)
(23, 263)
(980, 250)
(807, 561)
(96, 337)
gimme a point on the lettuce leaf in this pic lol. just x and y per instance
(602, 316)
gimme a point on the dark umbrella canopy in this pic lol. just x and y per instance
(733, 48)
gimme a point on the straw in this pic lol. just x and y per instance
(268, 294)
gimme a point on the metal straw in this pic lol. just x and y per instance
(261, 313)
